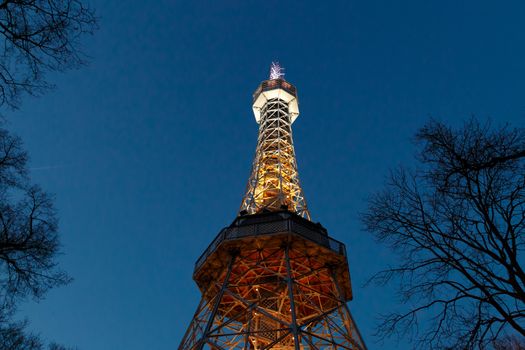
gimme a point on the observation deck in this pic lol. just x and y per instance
(271, 228)
(268, 85)
(276, 89)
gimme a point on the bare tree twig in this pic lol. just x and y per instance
(39, 36)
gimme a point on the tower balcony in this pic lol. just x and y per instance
(268, 85)
(276, 89)
(272, 223)
(272, 229)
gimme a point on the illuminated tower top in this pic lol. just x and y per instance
(274, 181)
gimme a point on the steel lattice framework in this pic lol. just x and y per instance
(274, 181)
(273, 279)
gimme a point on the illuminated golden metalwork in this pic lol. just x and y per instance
(274, 181)
(273, 279)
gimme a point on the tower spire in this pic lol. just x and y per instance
(274, 181)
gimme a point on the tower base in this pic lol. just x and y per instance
(279, 291)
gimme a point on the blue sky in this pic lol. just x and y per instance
(148, 149)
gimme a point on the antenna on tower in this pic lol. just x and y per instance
(276, 71)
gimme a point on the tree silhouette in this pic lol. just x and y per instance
(457, 224)
(39, 36)
(28, 243)
(15, 337)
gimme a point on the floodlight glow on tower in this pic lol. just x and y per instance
(273, 279)
(274, 181)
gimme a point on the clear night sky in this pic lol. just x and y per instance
(148, 149)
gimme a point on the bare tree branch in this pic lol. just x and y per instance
(29, 244)
(39, 36)
(457, 224)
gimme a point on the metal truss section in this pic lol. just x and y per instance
(274, 297)
(274, 182)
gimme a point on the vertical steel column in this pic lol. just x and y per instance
(217, 303)
(248, 328)
(345, 307)
(279, 148)
(188, 331)
(290, 295)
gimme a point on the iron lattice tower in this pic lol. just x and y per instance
(273, 279)
(274, 181)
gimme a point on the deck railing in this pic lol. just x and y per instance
(275, 84)
(275, 223)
